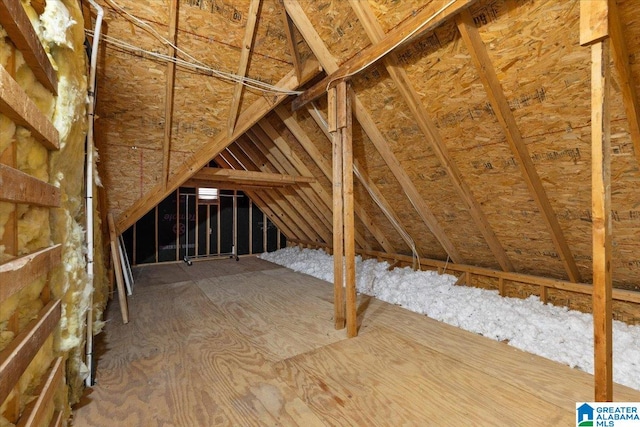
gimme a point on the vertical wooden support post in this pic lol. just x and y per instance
(501, 286)
(251, 227)
(338, 229)
(344, 107)
(264, 232)
(115, 259)
(601, 214)
(594, 31)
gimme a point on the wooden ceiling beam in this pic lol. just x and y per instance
(226, 162)
(211, 149)
(307, 210)
(505, 117)
(169, 92)
(245, 51)
(429, 18)
(627, 81)
(329, 63)
(427, 126)
(16, 23)
(364, 180)
(250, 177)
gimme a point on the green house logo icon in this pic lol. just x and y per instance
(584, 415)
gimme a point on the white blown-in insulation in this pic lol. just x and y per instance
(61, 29)
(556, 333)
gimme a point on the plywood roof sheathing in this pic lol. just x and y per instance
(428, 128)
(503, 113)
(425, 20)
(245, 51)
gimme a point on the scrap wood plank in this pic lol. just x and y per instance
(245, 51)
(19, 187)
(15, 358)
(16, 104)
(35, 412)
(117, 266)
(16, 23)
(20, 272)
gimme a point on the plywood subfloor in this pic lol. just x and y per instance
(251, 344)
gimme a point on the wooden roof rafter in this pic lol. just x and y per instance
(169, 92)
(313, 152)
(290, 160)
(505, 117)
(627, 82)
(228, 160)
(329, 63)
(248, 156)
(400, 78)
(423, 21)
(211, 149)
(364, 179)
(266, 160)
(245, 52)
(291, 39)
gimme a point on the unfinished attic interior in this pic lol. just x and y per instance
(155, 155)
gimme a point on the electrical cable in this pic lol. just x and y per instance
(196, 64)
(404, 39)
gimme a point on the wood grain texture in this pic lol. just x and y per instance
(250, 343)
(20, 272)
(19, 187)
(15, 358)
(15, 104)
(16, 23)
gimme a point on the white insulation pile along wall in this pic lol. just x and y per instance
(61, 28)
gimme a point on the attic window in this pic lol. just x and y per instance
(208, 195)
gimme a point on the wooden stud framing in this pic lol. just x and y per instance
(15, 358)
(423, 21)
(601, 221)
(338, 218)
(115, 258)
(428, 128)
(329, 63)
(169, 91)
(247, 42)
(16, 23)
(19, 187)
(16, 105)
(200, 158)
(57, 419)
(20, 272)
(627, 82)
(504, 115)
(309, 146)
(35, 412)
(344, 107)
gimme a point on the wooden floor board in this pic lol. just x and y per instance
(248, 343)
